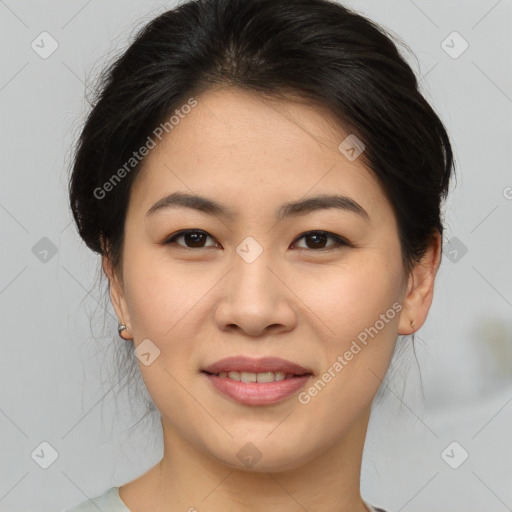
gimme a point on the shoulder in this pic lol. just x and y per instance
(109, 501)
(371, 508)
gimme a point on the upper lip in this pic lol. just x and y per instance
(255, 365)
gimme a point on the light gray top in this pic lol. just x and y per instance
(110, 501)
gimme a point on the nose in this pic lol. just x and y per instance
(256, 299)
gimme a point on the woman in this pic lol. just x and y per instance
(263, 181)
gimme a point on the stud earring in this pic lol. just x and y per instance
(120, 329)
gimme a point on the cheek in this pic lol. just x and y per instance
(358, 307)
(362, 307)
(353, 297)
(161, 304)
(158, 294)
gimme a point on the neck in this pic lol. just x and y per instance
(188, 479)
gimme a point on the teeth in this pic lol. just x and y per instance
(248, 376)
(256, 377)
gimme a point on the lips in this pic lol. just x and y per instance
(260, 365)
(262, 381)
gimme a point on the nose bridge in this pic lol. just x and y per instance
(254, 298)
(251, 276)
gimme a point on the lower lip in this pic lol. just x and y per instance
(258, 393)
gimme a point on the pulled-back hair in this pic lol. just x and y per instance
(316, 50)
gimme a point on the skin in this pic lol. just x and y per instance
(295, 301)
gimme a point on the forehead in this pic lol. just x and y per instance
(236, 144)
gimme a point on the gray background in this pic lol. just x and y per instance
(58, 377)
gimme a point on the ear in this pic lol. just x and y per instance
(420, 288)
(117, 296)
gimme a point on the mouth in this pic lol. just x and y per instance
(262, 377)
(261, 381)
(248, 368)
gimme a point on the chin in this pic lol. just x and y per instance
(260, 454)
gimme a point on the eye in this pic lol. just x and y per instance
(319, 238)
(195, 239)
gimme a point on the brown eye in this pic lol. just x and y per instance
(193, 238)
(317, 240)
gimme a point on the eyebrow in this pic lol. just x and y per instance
(291, 209)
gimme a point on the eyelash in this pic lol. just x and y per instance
(340, 242)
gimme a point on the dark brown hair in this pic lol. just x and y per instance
(316, 49)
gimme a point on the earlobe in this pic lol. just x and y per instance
(420, 288)
(117, 298)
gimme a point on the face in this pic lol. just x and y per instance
(320, 287)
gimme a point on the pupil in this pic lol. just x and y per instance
(195, 239)
(196, 242)
(317, 236)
